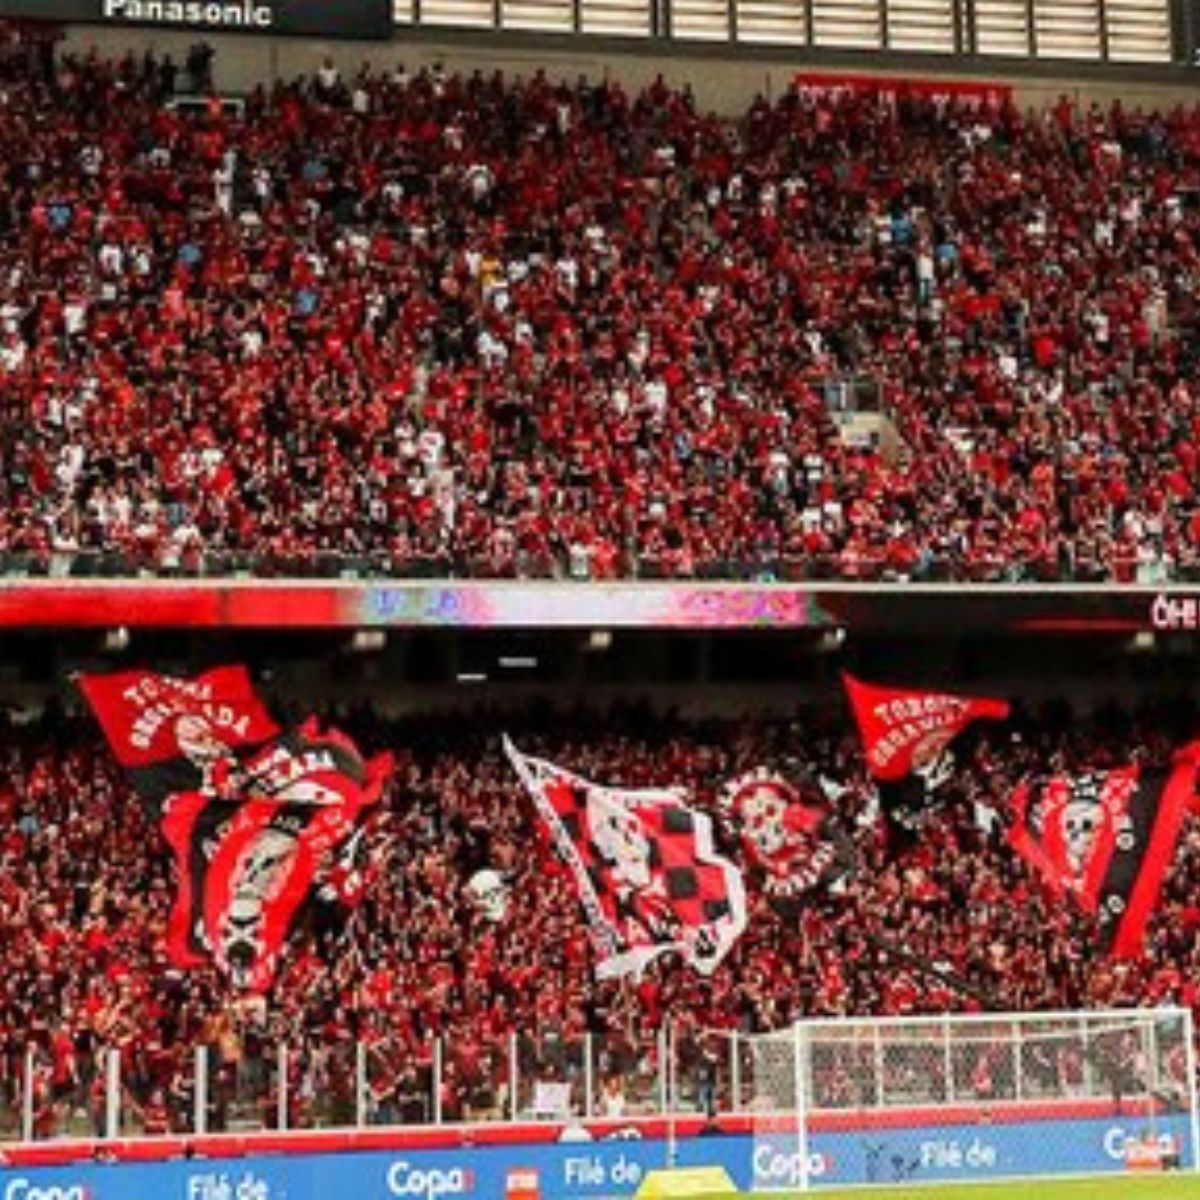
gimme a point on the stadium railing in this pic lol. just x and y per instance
(1013, 1066)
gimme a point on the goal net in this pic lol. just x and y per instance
(908, 1100)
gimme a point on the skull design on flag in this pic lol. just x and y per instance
(645, 868)
(781, 834)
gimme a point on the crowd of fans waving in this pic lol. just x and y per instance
(417, 323)
(944, 919)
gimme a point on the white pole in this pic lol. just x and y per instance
(1151, 1049)
(200, 1091)
(514, 1078)
(662, 1071)
(281, 1102)
(112, 1093)
(672, 1096)
(437, 1081)
(735, 1073)
(1089, 1072)
(1189, 1036)
(588, 1080)
(798, 1066)
(360, 1085)
(27, 1097)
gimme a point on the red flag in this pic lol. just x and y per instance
(1107, 839)
(174, 734)
(247, 865)
(903, 730)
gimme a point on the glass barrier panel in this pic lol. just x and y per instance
(242, 1090)
(703, 1076)
(321, 1086)
(625, 1075)
(475, 1080)
(68, 1088)
(551, 1076)
(156, 1094)
(399, 1081)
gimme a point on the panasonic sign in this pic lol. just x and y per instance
(211, 14)
(261, 18)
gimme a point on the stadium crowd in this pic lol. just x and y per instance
(944, 920)
(418, 323)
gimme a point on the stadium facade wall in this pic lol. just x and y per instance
(724, 81)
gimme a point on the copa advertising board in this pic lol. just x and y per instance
(613, 1170)
(308, 18)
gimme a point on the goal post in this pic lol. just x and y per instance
(837, 1102)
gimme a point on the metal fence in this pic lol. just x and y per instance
(875, 565)
(251, 1082)
(52, 1089)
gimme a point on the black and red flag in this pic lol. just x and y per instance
(178, 735)
(1106, 838)
(643, 862)
(789, 839)
(247, 863)
(907, 736)
(258, 820)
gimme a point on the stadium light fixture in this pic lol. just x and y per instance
(116, 640)
(471, 677)
(831, 641)
(368, 641)
(518, 662)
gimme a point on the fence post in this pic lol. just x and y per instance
(1189, 1034)
(514, 1077)
(281, 1102)
(1150, 1048)
(200, 1091)
(672, 1094)
(664, 1066)
(798, 1049)
(437, 1081)
(27, 1097)
(360, 1085)
(588, 1074)
(112, 1093)
(735, 1073)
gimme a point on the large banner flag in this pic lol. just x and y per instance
(258, 820)
(648, 876)
(248, 861)
(907, 737)
(790, 841)
(904, 730)
(1107, 838)
(178, 735)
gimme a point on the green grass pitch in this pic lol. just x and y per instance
(1118, 1187)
